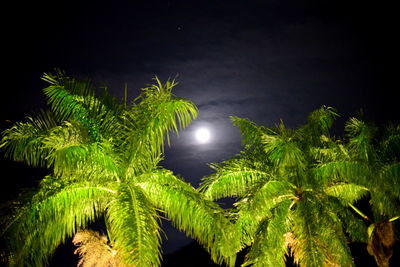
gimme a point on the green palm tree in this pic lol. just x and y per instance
(103, 160)
(370, 157)
(285, 205)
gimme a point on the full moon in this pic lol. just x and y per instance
(202, 135)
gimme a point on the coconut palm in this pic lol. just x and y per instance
(286, 204)
(103, 160)
(370, 157)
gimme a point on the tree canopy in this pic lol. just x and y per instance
(296, 189)
(103, 160)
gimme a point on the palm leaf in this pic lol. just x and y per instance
(305, 249)
(133, 227)
(23, 141)
(31, 237)
(345, 171)
(347, 193)
(146, 126)
(270, 246)
(232, 179)
(391, 175)
(284, 150)
(318, 234)
(319, 122)
(251, 133)
(267, 197)
(76, 100)
(333, 241)
(384, 206)
(353, 225)
(73, 155)
(360, 139)
(255, 208)
(191, 213)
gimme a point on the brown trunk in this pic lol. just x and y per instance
(380, 243)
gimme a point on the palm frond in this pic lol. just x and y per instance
(384, 206)
(172, 115)
(391, 175)
(336, 250)
(147, 125)
(283, 150)
(343, 171)
(270, 246)
(390, 145)
(133, 227)
(257, 207)
(251, 133)
(66, 144)
(319, 239)
(319, 123)
(360, 139)
(72, 154)
(190, 212)
(71, 99)
(330, 150)
(353, 225)
(267, 197)
(32, 238)
(232, 179)
(23, 141)
(347, 193)
(66, 96)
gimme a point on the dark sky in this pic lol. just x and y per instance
(262, 60)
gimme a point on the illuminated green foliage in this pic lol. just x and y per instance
(103, 158)
(371, 159)
(295, 189)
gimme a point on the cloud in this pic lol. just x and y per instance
(264, 63)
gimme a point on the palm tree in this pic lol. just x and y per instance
(103, 160)
(285, 205)
(370, 157)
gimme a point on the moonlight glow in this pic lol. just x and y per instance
(202, 135)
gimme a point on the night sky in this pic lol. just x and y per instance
(262, 60)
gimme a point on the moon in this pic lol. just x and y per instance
(202, 135)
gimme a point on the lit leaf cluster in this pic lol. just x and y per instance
(371, 159)
(296, 188)
(103, 160)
